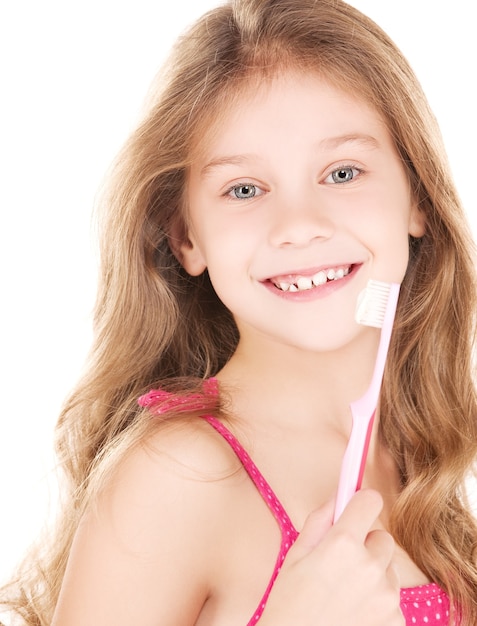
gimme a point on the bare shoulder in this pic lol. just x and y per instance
(142, 552)
(179, 463)
(191, 448)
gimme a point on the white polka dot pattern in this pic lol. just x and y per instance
(426, 605)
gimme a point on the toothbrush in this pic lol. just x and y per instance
(376, 307)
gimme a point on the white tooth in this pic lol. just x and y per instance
(339, 273)
(330, 274)
(319, 278)
(284, 286)
(293, 288)
(304, 283)
(346, 271)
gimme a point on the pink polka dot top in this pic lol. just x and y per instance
(426, 605)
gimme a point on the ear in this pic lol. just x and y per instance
(186, 250)
(417, 221)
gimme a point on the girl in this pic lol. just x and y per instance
(288, 156)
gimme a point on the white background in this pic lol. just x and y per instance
(73, 79)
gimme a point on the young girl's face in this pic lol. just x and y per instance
(298, 200)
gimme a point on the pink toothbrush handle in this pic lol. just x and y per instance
(354, 461)
(363, 411)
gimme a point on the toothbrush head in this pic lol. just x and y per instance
(373, 303)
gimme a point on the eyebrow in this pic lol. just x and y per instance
(238, 159)
(330, 143)
(351, 138)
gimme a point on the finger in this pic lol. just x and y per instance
(360, 514)
(381, 546)
(317, 524)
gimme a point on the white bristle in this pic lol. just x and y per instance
(372, 303)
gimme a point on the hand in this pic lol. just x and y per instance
(338, 575)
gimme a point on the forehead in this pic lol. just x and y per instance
(294, 106)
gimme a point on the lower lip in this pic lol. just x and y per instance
(321, 291)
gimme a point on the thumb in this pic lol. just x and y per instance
(317, 524)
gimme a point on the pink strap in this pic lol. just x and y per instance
(158, 402)
(289, 533)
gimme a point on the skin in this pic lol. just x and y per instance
(180, 536)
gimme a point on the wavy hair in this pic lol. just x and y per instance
(155, 325)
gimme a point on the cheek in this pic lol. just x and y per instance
(225, 251)
(226, 233)
(382, 226)
(391, 253)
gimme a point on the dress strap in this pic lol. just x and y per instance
(262, 485)
(160, 402)
(288, 531)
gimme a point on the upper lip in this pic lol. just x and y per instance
(292, 275)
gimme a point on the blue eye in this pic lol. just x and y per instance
(342, 175)
(243, 191)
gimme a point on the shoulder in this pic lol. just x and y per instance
(151, 528)
(190, 447)
(170, 475)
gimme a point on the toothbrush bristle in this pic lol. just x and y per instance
(372, 304)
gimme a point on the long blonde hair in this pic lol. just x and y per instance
(155, 325)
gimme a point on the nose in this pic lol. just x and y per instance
(299, 220)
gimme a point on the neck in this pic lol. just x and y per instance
(281, 383)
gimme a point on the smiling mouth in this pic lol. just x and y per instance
(305, 283)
